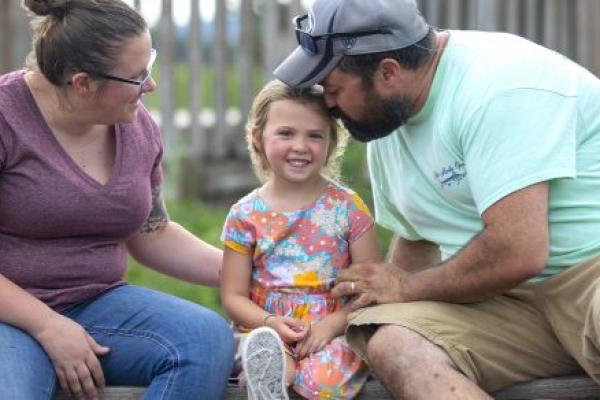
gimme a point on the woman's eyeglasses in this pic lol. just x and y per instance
(141, 82)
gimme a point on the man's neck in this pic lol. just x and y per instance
(426, 74)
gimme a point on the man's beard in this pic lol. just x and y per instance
(383, 116)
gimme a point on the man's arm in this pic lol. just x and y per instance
(512, 247)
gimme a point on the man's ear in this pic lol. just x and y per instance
(388, 75)
(83, 84)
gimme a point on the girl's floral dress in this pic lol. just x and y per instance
(296, 258)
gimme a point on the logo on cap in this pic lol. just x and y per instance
(348, 42)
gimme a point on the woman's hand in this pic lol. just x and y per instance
(320, 334)
(74, 355)
(290, 329)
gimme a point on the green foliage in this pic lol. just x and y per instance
(207, 86)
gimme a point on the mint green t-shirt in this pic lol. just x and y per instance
(503, 113)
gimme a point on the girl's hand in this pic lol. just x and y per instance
(318, 336)
(290, 329)
(74, 355)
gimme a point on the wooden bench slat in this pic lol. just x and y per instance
(576, 387)
(113, 393)
(372, 391)
(564, 387)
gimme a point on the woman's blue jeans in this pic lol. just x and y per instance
(178, 349)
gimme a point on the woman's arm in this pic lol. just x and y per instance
(167, 247)
(174, 251)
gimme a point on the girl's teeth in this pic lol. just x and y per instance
(298, 163)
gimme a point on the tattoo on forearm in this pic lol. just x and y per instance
(158, 217)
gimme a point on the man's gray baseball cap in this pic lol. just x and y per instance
(333, 28)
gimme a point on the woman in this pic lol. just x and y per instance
(80, 181)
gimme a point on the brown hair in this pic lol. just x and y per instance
(79, 35)
(313, 96)
(412, 58)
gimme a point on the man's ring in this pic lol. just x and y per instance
(352, 287)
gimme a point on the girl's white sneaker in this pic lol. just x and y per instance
(263, 361)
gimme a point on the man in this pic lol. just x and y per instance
(484, 156)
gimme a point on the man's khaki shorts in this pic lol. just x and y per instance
(536, 330)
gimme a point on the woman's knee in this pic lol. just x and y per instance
(218, 337)
(205, 337)
(25, 369)
(192, 332)
(201, 356)
(183, 337)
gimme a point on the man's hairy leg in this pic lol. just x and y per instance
(413, 368)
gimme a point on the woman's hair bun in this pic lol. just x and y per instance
(57, 8)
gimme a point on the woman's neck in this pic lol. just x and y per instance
(62, 115)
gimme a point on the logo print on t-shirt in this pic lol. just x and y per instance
(451, 175)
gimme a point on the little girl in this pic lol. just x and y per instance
(285, 243)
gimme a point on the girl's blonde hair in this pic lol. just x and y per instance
(259, 114)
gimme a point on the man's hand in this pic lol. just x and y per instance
(74, 355)
(371, 283)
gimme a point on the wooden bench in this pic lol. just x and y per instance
(568, 387)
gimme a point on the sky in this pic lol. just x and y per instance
(151, 9)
